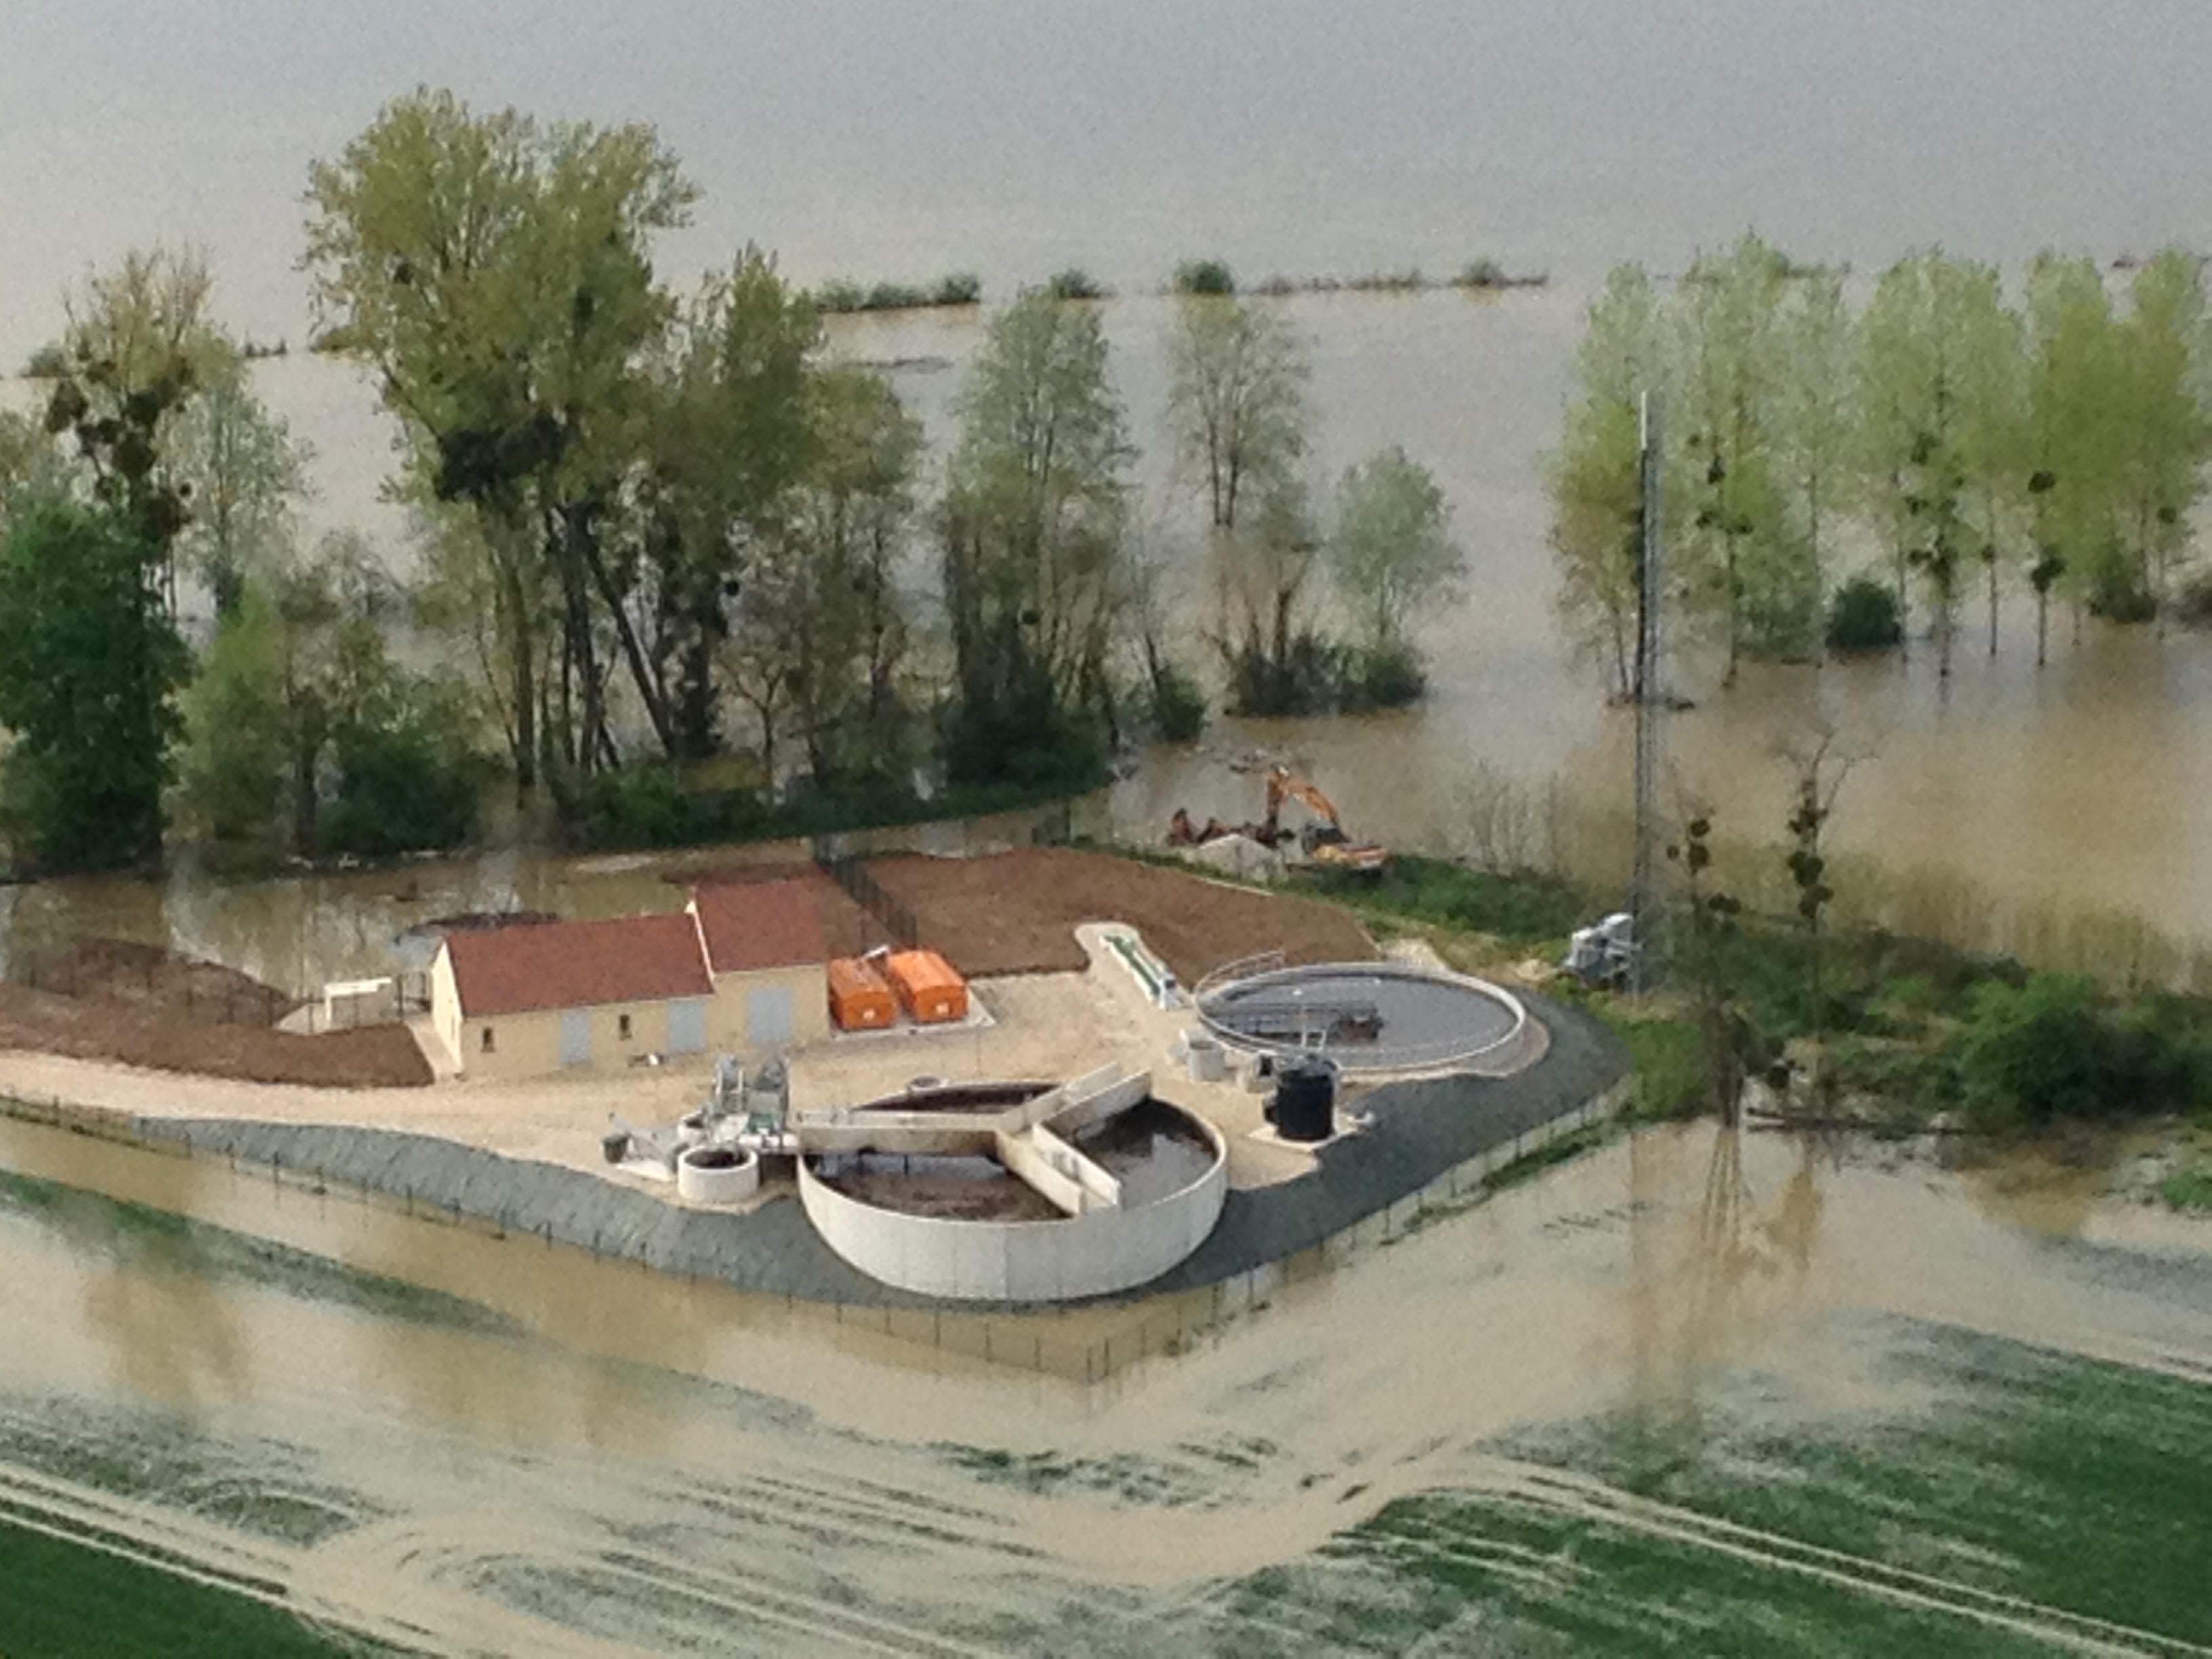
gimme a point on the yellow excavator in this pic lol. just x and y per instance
(1322, 839)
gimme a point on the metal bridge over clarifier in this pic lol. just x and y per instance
(1372, 1018)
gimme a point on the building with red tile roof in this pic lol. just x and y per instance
(742, 968)
(760, 925)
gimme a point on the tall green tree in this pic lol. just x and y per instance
(2168, 433)
(1393, 556)
(235, 765)
(729, 439)
(2076, 423)
(1595, 487)
(1815, 414)
(496, 273)
(845, 530)
(88, 684)
(1940, 361)
(1237, 381)
(1035, 575)
(1737, 548)
(246, 474)
(141, 346)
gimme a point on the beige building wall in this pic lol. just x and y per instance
(446, 1005)
(529, 1045)
(729, 1015)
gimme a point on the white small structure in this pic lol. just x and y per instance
(1605, 954)
(350, 1002)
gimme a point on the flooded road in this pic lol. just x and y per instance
(464, 1444)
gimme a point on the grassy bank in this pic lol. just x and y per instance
(1900, 1031)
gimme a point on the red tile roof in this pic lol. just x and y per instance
(578, 964)
(755, 925)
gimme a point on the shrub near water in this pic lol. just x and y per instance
(1863, 616)
(1522, 908)
(1209, 276)
(2050, 1049)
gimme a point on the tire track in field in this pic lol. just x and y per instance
(1586, 1498)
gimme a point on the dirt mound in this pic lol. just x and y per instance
(152, 982)
(116, 1029)
(1016, 913)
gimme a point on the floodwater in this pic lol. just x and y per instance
(532, 1451)
(2060, 813)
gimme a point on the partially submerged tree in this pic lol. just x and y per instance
(1596, 490)
(2167, 434)
(1237, 381)
(496, 276)
(1736, 549)
(246, 474)
(1035, 574)
(1393, 557)
(1941, 416)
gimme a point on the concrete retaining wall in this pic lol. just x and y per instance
(1096, 1254)
(1430, 1142)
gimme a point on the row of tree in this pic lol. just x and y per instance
(640, 513)
(1939, 428)
(153, 462)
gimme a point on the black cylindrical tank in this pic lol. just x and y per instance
(1305, 1099)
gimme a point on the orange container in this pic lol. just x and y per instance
(859, 1000)
(929, 986)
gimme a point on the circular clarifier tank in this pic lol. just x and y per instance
(1365, 1016)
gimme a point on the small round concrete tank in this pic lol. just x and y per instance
(717, 1175)
(1305, 1106)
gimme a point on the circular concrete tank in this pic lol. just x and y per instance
(1365, 1017)
(717, 1175)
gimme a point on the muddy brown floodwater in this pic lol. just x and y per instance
(809, 1488)
(2059, 812)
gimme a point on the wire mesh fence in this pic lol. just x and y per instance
(1082, 1345)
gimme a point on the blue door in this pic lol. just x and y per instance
(576, 1037)
(687, 1027)
(768, 1015)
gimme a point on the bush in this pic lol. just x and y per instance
(963, 287)
(1204, 276)
(2117, 598)
(1304, 683)
(1074, 283)
(1863, 616)
(2042, 1052)
(404, 783)
(1388, 677)
(636, 806)
(1178, 707)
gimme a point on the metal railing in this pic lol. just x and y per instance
(851, 874)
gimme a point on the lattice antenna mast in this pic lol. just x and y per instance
(1650, 692)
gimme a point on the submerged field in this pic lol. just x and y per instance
(1680, 1395)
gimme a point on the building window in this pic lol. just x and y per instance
(621, 1027)
(488, 1046)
